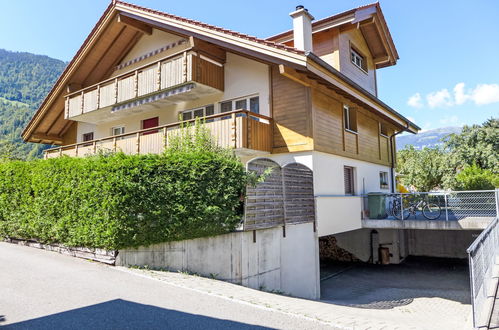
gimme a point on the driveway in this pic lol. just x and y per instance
(46, 290)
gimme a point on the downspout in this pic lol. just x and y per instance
(392, 151)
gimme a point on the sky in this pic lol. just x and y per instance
(447, 75)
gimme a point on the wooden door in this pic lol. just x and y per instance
(150, 123)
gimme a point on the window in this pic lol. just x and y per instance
(207, 110)
(118, 130)
(88, 136)
(383, 180)
(248, 103)
(348, 176)
(358, 60)
(383, 129)
(350, 118)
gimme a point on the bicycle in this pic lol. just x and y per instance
(430, 211)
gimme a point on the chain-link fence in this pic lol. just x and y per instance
(483, 254)
(452, 205)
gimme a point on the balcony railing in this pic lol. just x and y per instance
(240, 129)
(148, 80)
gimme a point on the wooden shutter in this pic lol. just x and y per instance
(348, 178)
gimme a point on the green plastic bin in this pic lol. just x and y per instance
(376, 202)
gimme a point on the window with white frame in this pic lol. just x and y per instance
(383, 180)
(251, 103)
(358, 60)
(350, 118)
(118, 130)
(348, 177)
(207, 110)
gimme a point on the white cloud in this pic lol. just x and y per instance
(415, 101)
(485, 94)
(441, 98)
(459, 94)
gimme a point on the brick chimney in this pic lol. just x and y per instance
(302, 28)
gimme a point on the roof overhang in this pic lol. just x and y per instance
(369, 20)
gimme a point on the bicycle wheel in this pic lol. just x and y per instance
(431, 211)
(397, 213)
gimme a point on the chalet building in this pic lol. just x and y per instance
(305, 100)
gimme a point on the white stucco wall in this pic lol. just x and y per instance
(335, 212)
(289, 264)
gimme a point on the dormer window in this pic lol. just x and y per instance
(358, 60)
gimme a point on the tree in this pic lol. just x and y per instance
(476, 178)
(477, 144)
(424, 169)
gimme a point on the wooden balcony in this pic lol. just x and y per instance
(246, 132)
(176, 78)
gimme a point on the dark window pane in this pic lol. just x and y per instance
(186, 115)
(88, 136)
(255, 104)
(210, 110)
(226, 106)
(241, 104)
(198, 113)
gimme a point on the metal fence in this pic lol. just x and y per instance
(483, 254)
(452, 205)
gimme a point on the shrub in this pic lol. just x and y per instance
(476, 178)
(118, 201)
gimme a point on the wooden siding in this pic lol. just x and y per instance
(326, 45)
(353, 38)
(291, 111)
(330, 136)
(238, 129)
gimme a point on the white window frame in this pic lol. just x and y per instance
(191, 111)
(386, 183)
(357, 59)
(121, 128)
(246, 98)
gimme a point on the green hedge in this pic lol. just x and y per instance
(120, 201)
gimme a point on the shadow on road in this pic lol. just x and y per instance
(122, 314)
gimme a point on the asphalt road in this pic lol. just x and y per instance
(46, 290)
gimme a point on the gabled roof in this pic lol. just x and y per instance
(110, 40)
(371, 22)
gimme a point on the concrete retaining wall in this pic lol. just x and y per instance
(288, 264)
(440, 243)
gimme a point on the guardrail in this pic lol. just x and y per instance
(239, 129)
(483, 254)
(448, 206)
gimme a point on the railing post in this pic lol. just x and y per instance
(234, 130)
(76, 150)
(136, 84)
(60, 152)
(82, 102)
(158, 77)
(66, 104)
(114, 144)
(98, 97)
(446, 208)
(184, 67)
(402, 206)
(116, 90)
(165, 138)
(95, 147)
(497, 201)
(138, 143)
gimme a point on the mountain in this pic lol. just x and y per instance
(430, 138)
(25, 79)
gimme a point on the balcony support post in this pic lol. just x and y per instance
(184, 67)
(66, 112)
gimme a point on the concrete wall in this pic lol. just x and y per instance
(440, 243)
(289, 264)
